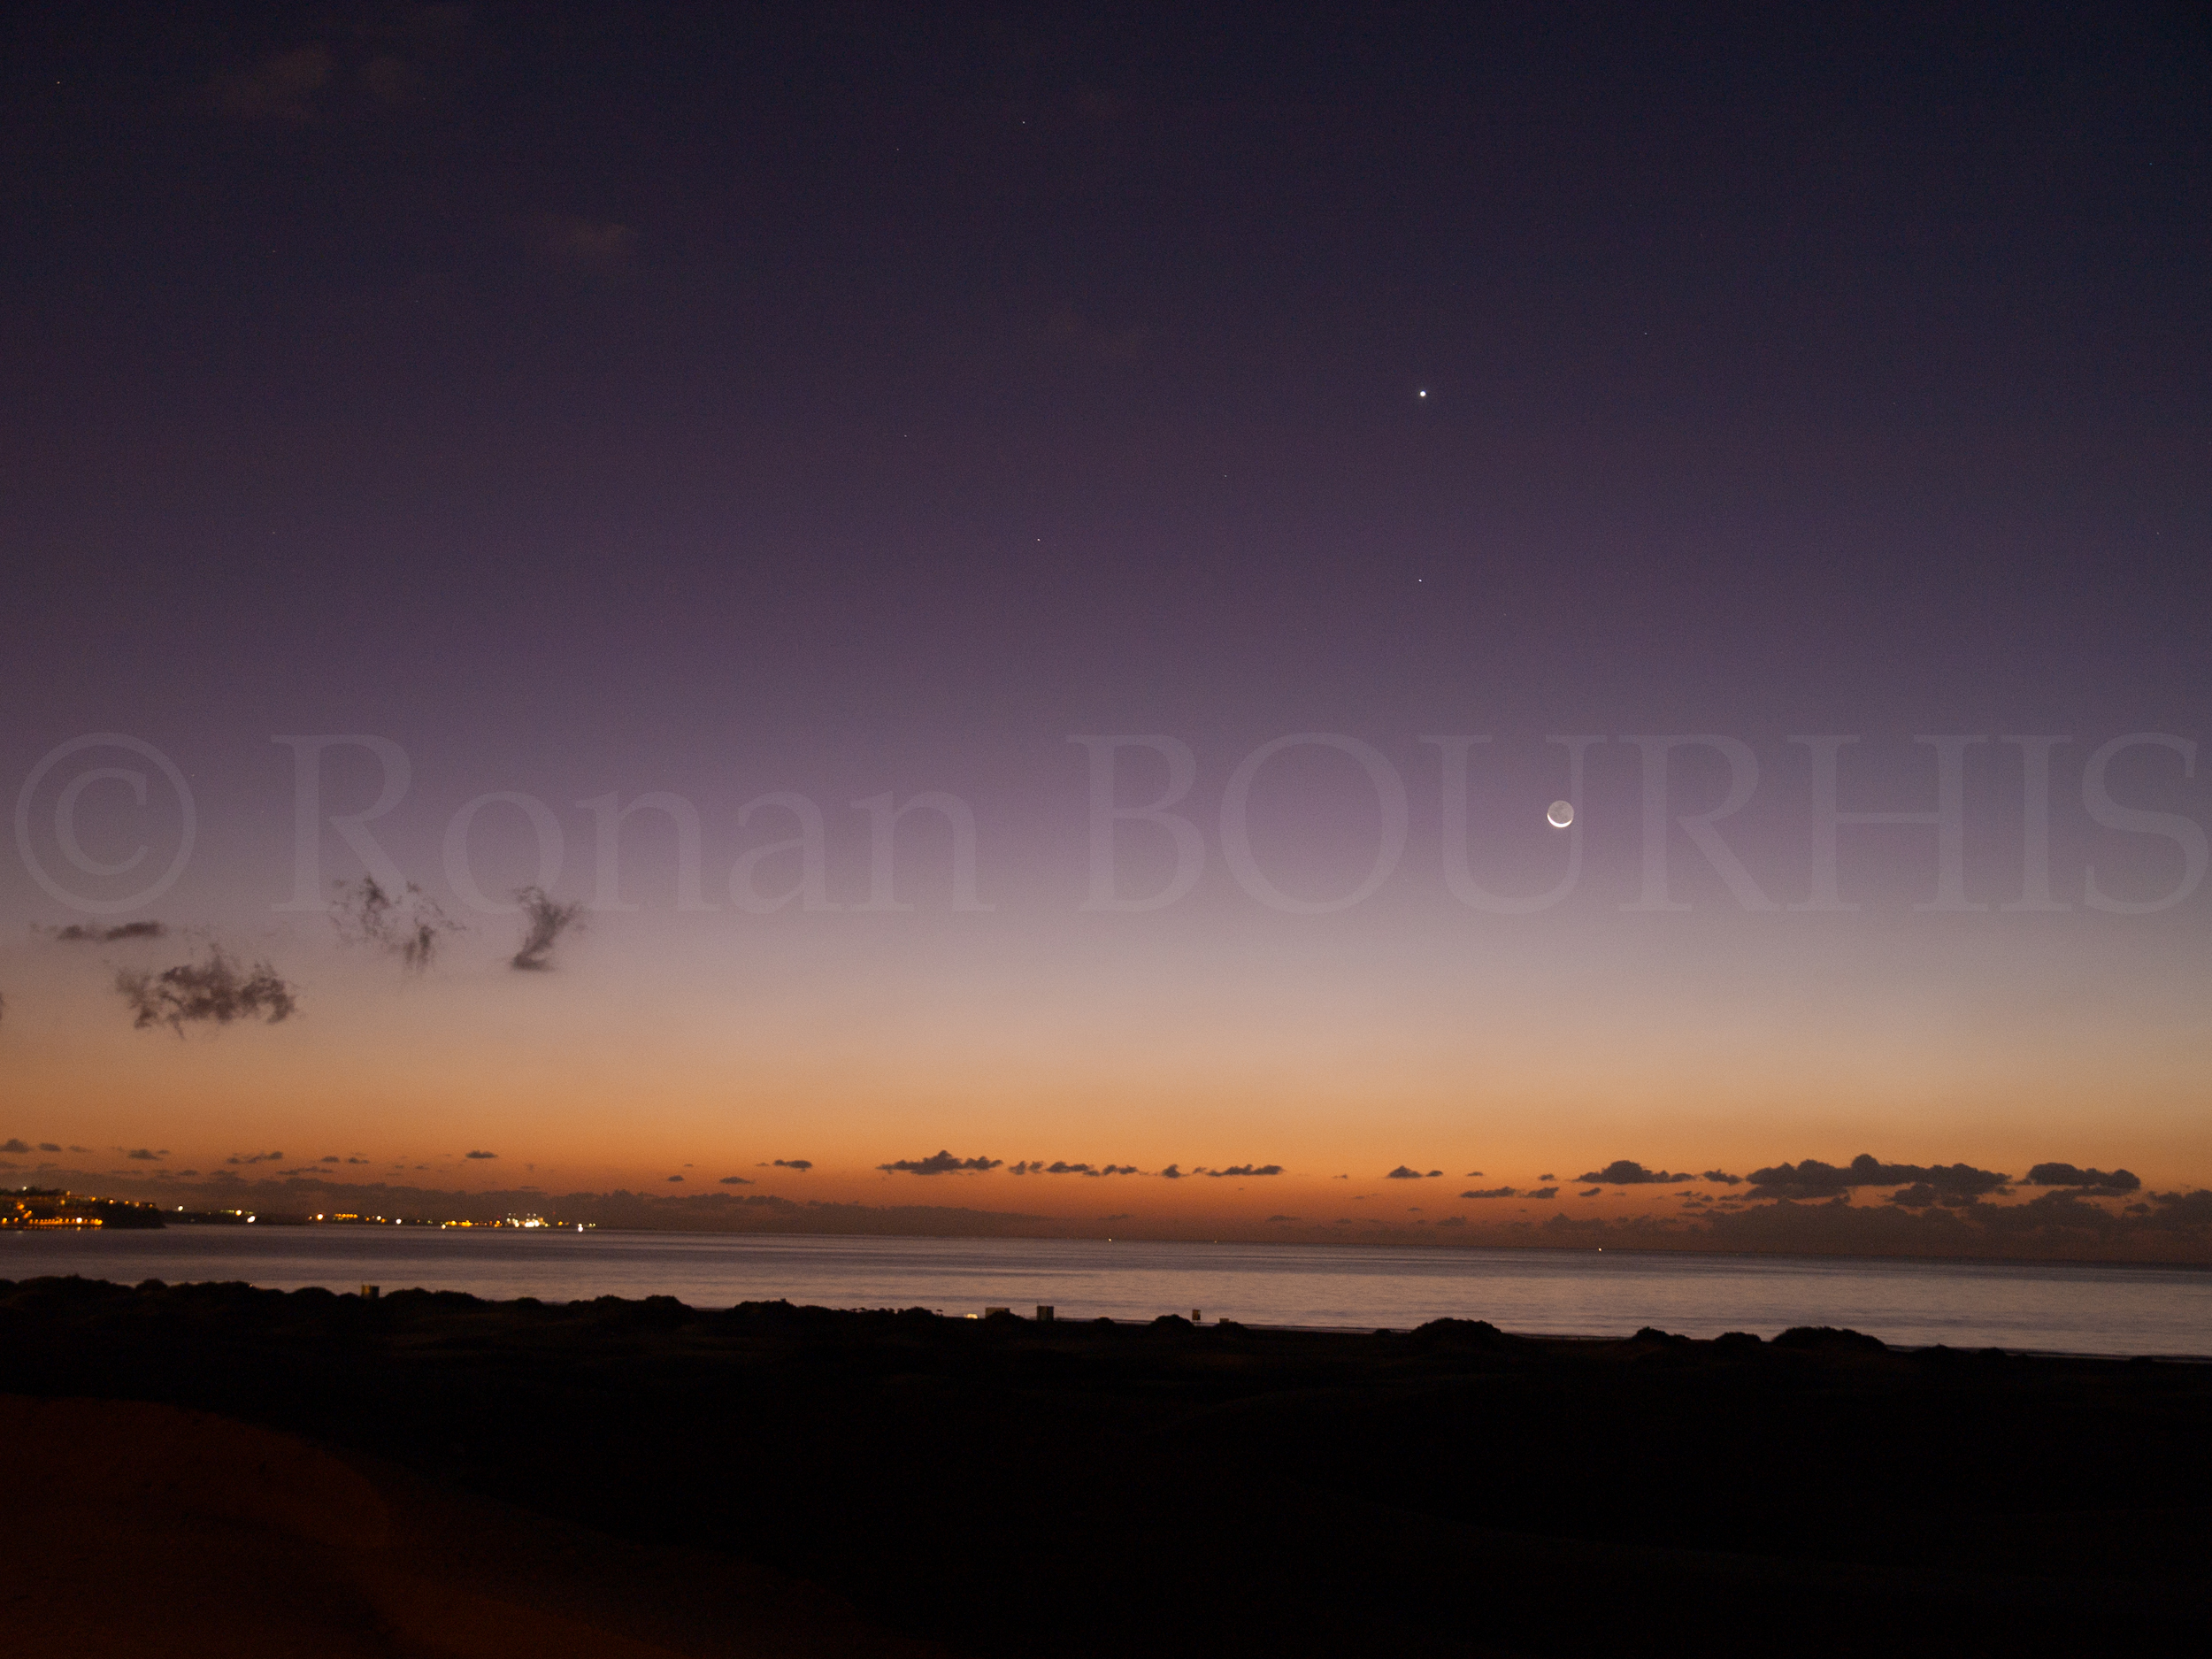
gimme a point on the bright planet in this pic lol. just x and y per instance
(1560, 814)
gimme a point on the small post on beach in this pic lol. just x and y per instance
(1044, 1313)
(1197, 1318)
(370, 1293)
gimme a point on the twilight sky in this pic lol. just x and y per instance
(760, 414)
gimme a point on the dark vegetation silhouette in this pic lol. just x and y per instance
(1083, 1488)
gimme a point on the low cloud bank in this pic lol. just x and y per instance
(2067, 1175)
(1038, 1166)
(941, 1163)
(1812, 1178)
(1628, 1172)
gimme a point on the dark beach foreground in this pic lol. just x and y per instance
(212, 1468)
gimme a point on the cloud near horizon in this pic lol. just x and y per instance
(1402, 1173)
(941, 1163)
(1628, 1172)
(1038, 1166)
(1812, 1178)
(2067, 1175)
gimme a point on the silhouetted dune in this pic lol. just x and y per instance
(163, 1530)
(1011, 1487)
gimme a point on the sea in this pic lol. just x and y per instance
(2047, 1307)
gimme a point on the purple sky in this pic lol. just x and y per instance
(723, 402)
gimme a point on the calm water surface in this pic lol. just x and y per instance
(2076, 1309)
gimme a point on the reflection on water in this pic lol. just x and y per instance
(2079, 1309)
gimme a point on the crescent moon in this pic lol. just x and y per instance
(1560, 814)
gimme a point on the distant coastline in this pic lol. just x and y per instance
(2176, 1231)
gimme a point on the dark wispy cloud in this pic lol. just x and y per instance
(1173, 1172)
(1812, 1178)
(1721, 1177)
(1591, 1193)
(941, 1163)
(1244, 1168)
(800, 1165)
(146, 1155)
(675, 1177)
(1541, 1192)
(2067, 1175)
(480, 1155)
(544, 919)
(736, 1181)
(255, 1157)
(13, 1145)
(1402, 1173)
(1493, 1192)
(214, 990)
(79, 933)
(1628, 1172)
(408, 925)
